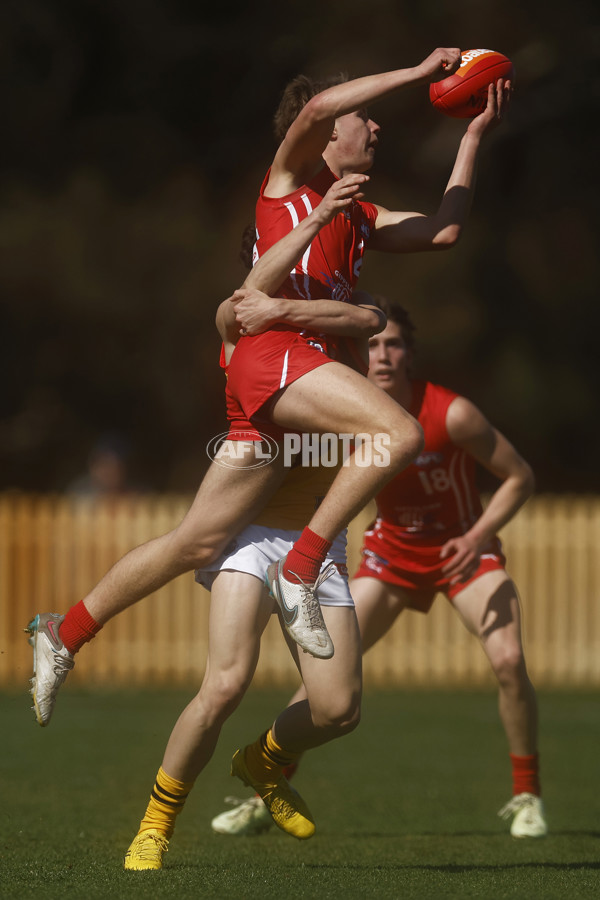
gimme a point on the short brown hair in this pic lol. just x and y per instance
(295, 97)
(396, 313)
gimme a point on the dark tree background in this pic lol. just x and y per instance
(135, 136)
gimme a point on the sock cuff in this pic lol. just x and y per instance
(313, 541)
(524, 762)
(167, 800)
(78, 627)
(84, 618)
(171, 785)
(275, 752)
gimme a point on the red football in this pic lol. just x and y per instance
(464, 94)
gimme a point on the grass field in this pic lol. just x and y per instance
(405, 807)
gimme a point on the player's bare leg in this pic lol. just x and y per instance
(326, 708)
(239, 612)
(489, 607)
(334, 687)
(378, 605)
(228, 499)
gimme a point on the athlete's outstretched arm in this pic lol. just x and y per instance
(469, 429)
(405, 232)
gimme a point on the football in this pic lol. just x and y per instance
(464, 94)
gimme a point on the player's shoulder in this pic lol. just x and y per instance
(442, 408)
(464, 420)
(434, 389)
(435, 395)
(282, 188)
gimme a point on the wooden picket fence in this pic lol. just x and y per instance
(53, 550)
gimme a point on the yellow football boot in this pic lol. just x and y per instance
(287, 808)
(146, 851)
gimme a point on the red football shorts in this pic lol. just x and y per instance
(418, 569)
(263, 365)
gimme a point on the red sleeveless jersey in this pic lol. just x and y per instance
(263, 364)
(436, 497)
(331, 265)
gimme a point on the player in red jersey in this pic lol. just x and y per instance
(273, 375)
(228, 499)
(432, 535)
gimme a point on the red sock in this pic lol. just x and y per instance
(525, 774)
(306, 557)
(78, 627)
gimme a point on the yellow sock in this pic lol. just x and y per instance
(265, 757)
(166, 802)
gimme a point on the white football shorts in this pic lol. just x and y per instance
(256, 547)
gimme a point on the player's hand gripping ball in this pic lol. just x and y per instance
(464, 94)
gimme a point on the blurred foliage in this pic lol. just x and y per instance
(136, 134)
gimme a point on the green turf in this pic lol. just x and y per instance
(405, 807)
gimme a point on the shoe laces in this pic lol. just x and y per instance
(280, 805)
(62, 664)
(519, 801)
(148, 845)
(311, 604)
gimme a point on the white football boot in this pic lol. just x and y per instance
(247, 818)
(52, 662)
(528, 812)
(301, 610)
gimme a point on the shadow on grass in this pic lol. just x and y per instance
(450, 868)
(380, 835)
(498, 867)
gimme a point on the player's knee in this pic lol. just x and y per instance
(350, 721)
(204, 554)
(340, 718)
(509, 666)
(407, 440)
(195, 554)
(195, 544)
(415, 440)
(347, 723)
(223, 694)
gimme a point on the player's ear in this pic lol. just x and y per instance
(334, 135)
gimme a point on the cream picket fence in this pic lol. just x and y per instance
(53, 550)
